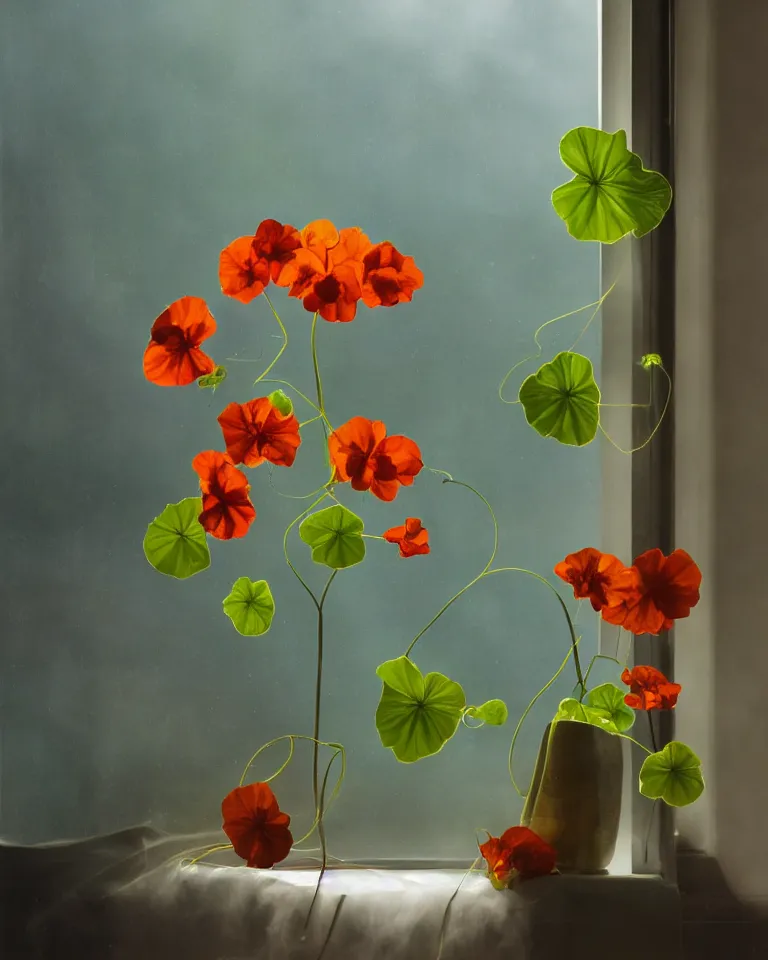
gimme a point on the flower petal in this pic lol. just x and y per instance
(172, 357)
(241, 275)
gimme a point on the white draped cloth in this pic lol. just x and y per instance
(128, 896)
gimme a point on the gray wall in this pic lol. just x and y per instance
(722, 444)
(138, 138)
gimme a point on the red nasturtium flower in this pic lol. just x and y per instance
(389, 277)
(599, 577)
(256, 826)
(668, 587)
(649, 689)
(173, 357)
(276, 244)
(412, 538)
(257, 431)
(362, 453)
(517, 853)
(248, 264)
(326, 273)
(227, 509)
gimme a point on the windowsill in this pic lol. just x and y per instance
(124, 897)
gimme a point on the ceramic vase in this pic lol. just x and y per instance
(575, 798)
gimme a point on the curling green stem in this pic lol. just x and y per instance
(601, 656)
(486, 569)
(316, 729)
(282, 349)
(521, 721)
(637, 743)
(563, 316)
(447, 913)
(288, 529)
(285, 764)
(301, 496)
(303, 396)
(536, 576)
(306, 423)
(340, 752)
(287, 736)
(209, 852)
(321, 832)
(658, 424)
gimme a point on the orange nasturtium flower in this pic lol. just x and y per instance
(326, 273)
(517, 853)
(173, 357)
(389, 277)
(599, 577)
(248, 264)
(649, 689)
(668, 588)
(257, 431)
(227, 509)
(256, 826)
(412, 538)
(362, 453)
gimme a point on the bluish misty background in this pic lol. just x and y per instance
(138, 138)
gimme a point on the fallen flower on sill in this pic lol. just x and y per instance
(518, 854)
(255, 824)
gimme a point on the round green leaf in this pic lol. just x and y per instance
(673, 774)
(250, 606)
(561, 399)
(335, 535)
(607, 700)
(416, 715)
(212, 380)
(282, 402)
(175, 542)
(612, 193)
(571, 709)
(493, 712)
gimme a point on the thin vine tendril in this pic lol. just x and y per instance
(288, 529)
(521, 721)
(539, 351)
(483, 573)
(284, 346)
(655, 430)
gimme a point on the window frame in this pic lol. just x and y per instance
(638, 318)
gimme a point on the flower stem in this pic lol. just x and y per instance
(316, 366)
(653, 732)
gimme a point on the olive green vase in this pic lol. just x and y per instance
(575, 798)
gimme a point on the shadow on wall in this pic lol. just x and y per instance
(716, 923)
